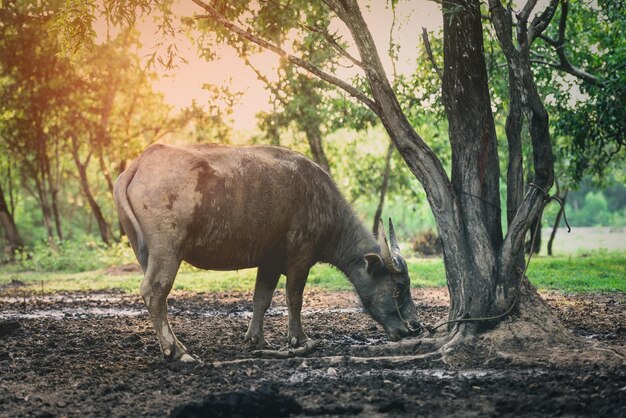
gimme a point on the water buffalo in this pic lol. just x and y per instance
(229, 208)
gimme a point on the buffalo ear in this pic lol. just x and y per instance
(373, 261)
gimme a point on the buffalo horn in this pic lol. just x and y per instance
(385, 252)
(395, 248)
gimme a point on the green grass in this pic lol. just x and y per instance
(597, 272)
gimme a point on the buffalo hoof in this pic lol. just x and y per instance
(297, 341)
(256, 342)
(178, 354)
(188, 358)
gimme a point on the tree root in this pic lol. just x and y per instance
(307, 348)
(343, 360)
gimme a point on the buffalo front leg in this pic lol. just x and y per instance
(155, 287)
(266, 280)
(296, 279)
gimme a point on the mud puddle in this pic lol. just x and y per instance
(95, 312)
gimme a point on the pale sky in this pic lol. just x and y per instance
(185, 83)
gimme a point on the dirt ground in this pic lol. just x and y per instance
(96, 355)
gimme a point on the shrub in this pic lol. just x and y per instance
(84, 254)
(427, 243)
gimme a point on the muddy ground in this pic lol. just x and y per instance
(96, 355)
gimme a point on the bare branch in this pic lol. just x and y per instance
(248, 35)
(333, 42)
(541, 21)
(549, 41)
(429, 52)
(549, 64)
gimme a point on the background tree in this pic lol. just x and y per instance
(59, 117)
(37, 84)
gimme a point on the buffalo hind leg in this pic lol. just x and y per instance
(296, 279)
(155, 287)
(266, 280)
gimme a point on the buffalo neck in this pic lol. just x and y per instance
(348, 245)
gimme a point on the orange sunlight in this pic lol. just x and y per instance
(184, 84)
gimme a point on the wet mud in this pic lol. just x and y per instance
(95, 354)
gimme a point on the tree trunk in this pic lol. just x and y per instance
(103, 226)
(383, 189)
(557, 221)
(475, 166)
(314, 137)
(120, 170)
(534, 241)
(8, 225)
(42, 197)
(53, 188)
(105, 171)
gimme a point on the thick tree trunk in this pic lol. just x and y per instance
(103, 226)
(7, 223)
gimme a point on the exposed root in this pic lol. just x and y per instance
(407, 346)
(533, 336)
(343, 360)
(307, 348)
(609, 350)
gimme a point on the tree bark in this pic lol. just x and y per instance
(534, 240)
(7, 222)
(475, 167)
(524, 97)
(53, 185)
(383, 189)
(42, 196)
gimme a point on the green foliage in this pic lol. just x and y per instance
(88, 253)
(594, 212)
(588, 118)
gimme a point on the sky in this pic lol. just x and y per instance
(184, 84)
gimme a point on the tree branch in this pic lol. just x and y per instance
(429, 52)
(559, 47)
(502, 22)
(549, 64)
(275, 91)
(333, 42)
(541, 21)
(248, 35)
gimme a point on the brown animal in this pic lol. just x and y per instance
(229, 208)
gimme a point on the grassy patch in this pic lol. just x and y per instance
(598, 272)
(590, 273)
